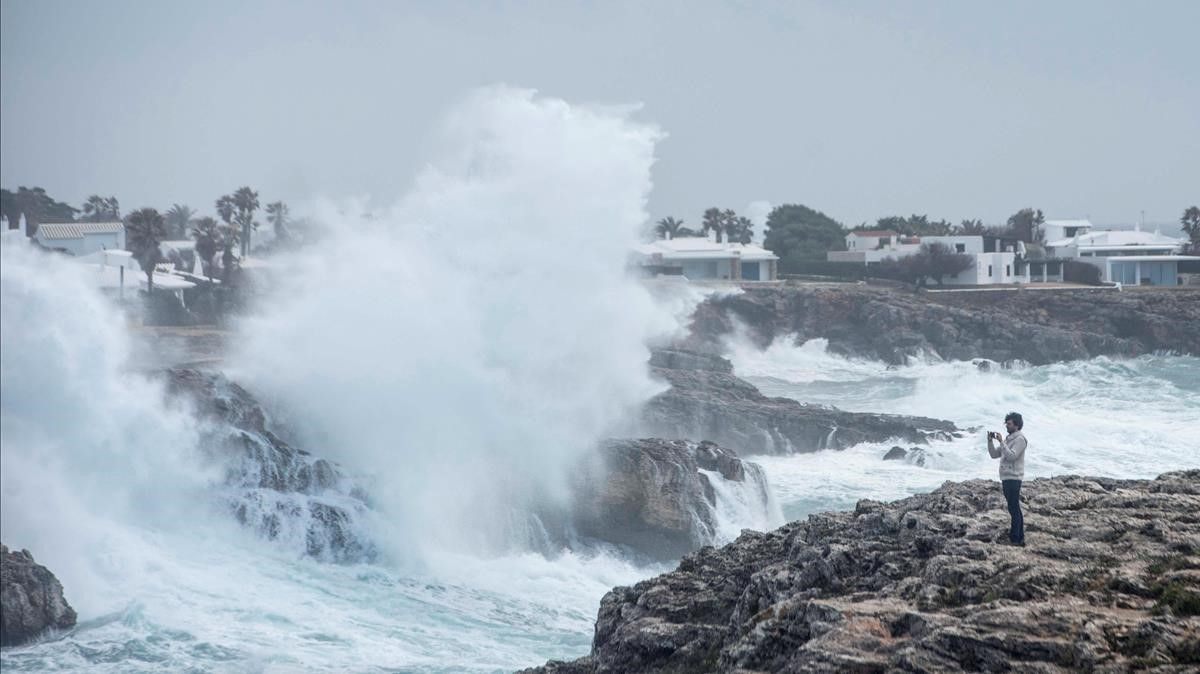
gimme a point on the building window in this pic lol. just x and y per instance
(989, 271)
(1007, 270)
(960, 247)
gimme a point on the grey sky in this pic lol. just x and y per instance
(956, 109)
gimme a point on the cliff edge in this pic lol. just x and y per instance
(1036, 326)
(1109, 582)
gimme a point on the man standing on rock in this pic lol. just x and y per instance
(1011, 452)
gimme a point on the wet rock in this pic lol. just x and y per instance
(1108, 582)
(894, 326)
(713, 404)
(687, 359)
(654, 497)
(280, 491)
(896, 453)
(31, 599)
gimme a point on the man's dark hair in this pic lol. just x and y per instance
(1016, 419)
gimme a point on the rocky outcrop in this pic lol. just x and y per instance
(280, 491)
(31, 599)
(707, 402)
(1109, 582)
(660, 498)
(894, 325)
(656, 498)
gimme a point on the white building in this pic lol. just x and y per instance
(875, 245)
(1055, 230)
(699, 259)
(81, 238)
(117, 270)
(994, 260)
(1128, 257)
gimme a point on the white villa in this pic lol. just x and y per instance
(876, 245)
(699, 259)
(995, 259)
(1055, 230)
(81, 238)
(1123, 256)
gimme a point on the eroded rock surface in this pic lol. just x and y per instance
(1030, 325)
(276, 489)
(659, 497)
(31, 599)
(1109, 582)
(707, 402)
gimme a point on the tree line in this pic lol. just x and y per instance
(146, 228)
(800, 235)
(724, 224)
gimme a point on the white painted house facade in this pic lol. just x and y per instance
(994, 260)
(1128, 257)
(81, 238)
(1055, 230)
(872, 246)
(700, 259)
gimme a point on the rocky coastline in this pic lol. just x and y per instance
(278, 490)
(895, 325)
(658, 498)
(653, 497)
(706, 401)
(1109, 582)
(31, 599)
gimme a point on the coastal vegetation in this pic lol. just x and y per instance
(1191, 226)
(144, 231)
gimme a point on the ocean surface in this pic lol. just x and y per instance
(213, 598)
(459, 398)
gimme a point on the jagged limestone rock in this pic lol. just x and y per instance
(707, 402)
(895, 325)
(653, 496)
(1109, 581)
(31, 599)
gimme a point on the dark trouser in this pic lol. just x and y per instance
(1012, 494)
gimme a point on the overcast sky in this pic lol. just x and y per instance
(860, 109)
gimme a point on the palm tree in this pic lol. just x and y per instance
(101, 209)
(713, 221)
(229, 241)
(207, 234)
(740, 229)
(93, 207)
(178, 218)
(245, 200)
(225, 209)
(277, 215)
(144, 230)
(668, 227)
(1190, 221)
(970, 227)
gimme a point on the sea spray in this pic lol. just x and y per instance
(1106, 416)
(466, 347)
(86, 445)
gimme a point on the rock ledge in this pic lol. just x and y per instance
(1109, 582)
(31, 599)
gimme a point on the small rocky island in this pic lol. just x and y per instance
(1109, 582)
(31, 599)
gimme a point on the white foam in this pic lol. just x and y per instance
(1109, 417)
(467, 346)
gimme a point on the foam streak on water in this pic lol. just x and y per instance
(1131, 418)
